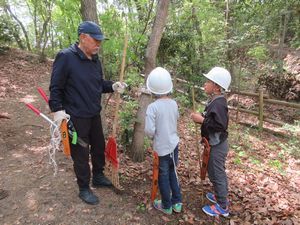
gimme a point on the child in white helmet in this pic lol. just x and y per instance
(161, 126)
(214, 126)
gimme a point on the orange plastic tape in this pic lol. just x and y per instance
(65, 137)
(205, 158)
(155, 176)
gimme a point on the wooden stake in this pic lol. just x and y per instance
(197, 140)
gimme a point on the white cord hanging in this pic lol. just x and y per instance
(54, 143)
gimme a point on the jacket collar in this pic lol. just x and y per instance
(80, 53)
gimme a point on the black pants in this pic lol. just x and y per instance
(90, 130)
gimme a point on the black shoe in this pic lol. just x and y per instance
(100, 180)
(88, 196)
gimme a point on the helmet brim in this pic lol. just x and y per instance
(207, 77)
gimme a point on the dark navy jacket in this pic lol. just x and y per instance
(215, 124)
(77, 83)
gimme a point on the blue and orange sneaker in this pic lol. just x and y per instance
(211, 197)
(216, 210)
(158, 205)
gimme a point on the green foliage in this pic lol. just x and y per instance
(200, 108)
(126, 114)
(147, 143)
(258, 52)
(196, 36)
(66, 18)
(133, 79)
(292, 146)
(275, 164)
(127, 119)
(141, 207)
(113, 26)
(7, 30)
(183, 45)
(255, 161)
(237, 160)
(183, 100)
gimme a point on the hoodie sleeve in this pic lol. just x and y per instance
(150, 122)
(58, 80)
(107, 86)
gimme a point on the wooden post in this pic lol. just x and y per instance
(175, 82)
(197, 143)
(261, 108)
(238, 98)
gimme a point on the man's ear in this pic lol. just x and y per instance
(82, 36)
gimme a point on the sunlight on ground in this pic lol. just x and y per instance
(28, 99)
(28, 132)
(38, 149)
(17, 155)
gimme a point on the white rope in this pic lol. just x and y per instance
(175, 166)
(54, 143)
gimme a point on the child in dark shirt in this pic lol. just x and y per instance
(214, 126)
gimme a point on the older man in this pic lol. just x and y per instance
(75, 90)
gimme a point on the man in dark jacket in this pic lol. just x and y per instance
(75, 92)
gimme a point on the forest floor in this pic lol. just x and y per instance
(264, 179)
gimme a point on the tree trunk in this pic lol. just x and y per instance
(137, 147)
(89, 13)
(229, 54)
(89, 10)
(282, 32)
(200, 54)
(8, 10)
(44, 35)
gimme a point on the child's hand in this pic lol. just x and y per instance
(197, 117)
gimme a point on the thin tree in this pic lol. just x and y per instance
(9, 12)
(137, 147)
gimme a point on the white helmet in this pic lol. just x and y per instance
(219, 76)
(159, 81)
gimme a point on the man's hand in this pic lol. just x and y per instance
(119, 87)
(197, 117)
(59, 116)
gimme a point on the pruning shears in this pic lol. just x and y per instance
(70, 127)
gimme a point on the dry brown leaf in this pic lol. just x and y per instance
(166, 219)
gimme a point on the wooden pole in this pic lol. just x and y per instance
(261, 109)
(197, 142)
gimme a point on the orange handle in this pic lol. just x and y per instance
(205, 158)
(65, 137)
(155, 176)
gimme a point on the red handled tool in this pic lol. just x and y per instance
(67, 129)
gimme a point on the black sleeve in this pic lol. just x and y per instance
(107, 86)
(216, 119)
(57, 83)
